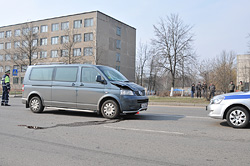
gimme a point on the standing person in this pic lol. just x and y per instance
(241, 86)
(6, 88)
(231, 87)
(192, 90)
(198, 88)
(204, 90)
(212, 90)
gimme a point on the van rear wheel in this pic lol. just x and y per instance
(110, 109)
(35, 105)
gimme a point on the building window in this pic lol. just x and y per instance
(22, 80)
(65, 53)
(65, 25)
(35, 30)
(1, 57)
(15, 80)
(77, 38)
(7, 68)
(77, 23)
(54, 40)
(1, 69)
(8, 45)
(44, 28)
(1, 46)
(118, 31)
(88, 51)
(54, 53)
(117, 68)
(77, 52)
(17, 32)
(25, 43)
(64, 39)
(88, 22)
(2, 34)
(34, 55)
(118, 56)
(34, 42)
(8, 34)
(55, 27)
(15, 57)
(15, 67)
(7, 57)
(24, 56)
(88, 37)
(118, 44)
(23, 68)
(25, 31)
(16, 44)
(43, 54)
(43, 41)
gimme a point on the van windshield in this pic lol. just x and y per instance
(112, 74)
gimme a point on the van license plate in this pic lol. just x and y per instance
(144, 105)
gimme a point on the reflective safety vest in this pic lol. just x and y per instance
(6, 81)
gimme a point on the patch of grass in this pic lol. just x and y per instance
(178, 100)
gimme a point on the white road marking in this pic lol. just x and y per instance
(145, 130)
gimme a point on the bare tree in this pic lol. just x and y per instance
(143, 54)
(25, 45)
(225, 70)
(174, 42)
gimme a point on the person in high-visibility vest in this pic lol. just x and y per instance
(6, 88)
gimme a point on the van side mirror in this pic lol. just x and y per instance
(99, 79)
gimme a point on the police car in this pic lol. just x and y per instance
(234, 107)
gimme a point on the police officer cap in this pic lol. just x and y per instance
(7, 72)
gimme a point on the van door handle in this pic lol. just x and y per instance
(81, 84)
(73, 84)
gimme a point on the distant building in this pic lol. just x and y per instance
(96, 37)
(243, 69)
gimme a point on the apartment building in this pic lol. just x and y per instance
(91, 37)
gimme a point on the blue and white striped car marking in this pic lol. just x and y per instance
(237, 97)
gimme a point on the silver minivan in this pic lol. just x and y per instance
(100, 89)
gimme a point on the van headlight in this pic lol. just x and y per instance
(217, 99)
(126, 92)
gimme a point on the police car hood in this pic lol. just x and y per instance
(130, 85)
(237, 95)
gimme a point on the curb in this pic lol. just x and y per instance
(178, 104)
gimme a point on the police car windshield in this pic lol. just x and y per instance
(112, 74)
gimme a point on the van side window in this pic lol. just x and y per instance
(89, 75)
(66, 74)
(41, 74)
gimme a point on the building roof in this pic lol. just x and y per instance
(67, 16)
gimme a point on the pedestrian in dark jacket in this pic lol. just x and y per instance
(198, 89)
(192, 90)
(6, 88)
(231, 87)
(204, 90)
(212, 90)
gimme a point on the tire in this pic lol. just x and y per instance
(238, 117)
(110, 109)
(35, 105)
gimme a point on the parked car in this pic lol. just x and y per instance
(234, 107)
(100, 89)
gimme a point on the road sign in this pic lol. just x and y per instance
(15, 72)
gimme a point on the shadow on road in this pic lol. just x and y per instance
(226, 125)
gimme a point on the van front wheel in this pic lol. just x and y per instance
(110, 109)
(36, 105)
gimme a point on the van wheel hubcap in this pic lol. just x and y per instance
(109, 109)
(35, 104)
(237, 117)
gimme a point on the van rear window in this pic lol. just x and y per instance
(41, 74)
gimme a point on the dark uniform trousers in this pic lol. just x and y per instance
(5, 95)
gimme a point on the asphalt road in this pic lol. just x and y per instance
(163, 135)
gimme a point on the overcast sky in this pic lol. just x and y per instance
(217, 24)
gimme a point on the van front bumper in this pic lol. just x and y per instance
(133, 104)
